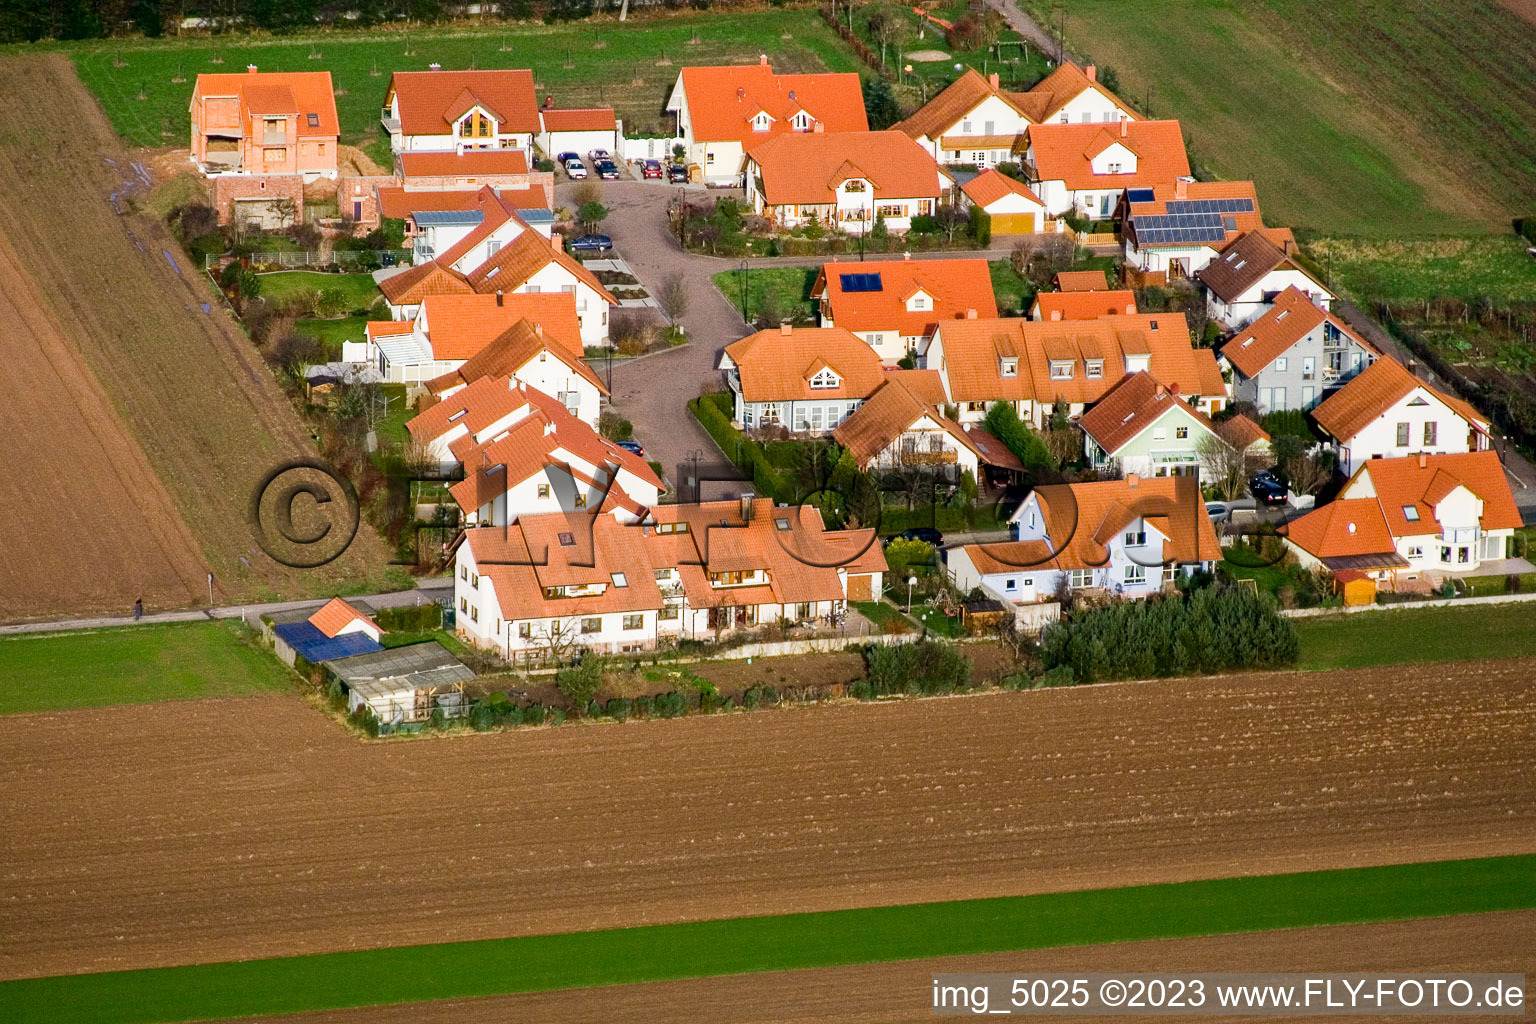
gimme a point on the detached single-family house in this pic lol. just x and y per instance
(1126, 538)
(1037, 364)
(1387, 412)
(458, 112)
(524, 453)
(894, 304)
(1176, 230)
(260, 137)
(335, 630)
(1398, 520)
(806, 379)
(1294, 355)
(1243, 282)
(843, 180)
(1087, 167)
(1011, 208)
(580, 130)
(1142, 427)
(902, 426)
(975, 121)
(723, 111)
(563, 582)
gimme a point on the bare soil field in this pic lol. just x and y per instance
(216, 830)
(888, 992)
(179, 393)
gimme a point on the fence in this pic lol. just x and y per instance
(1307, 613)
(334, 258)
(1097, 238)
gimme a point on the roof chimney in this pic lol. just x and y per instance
(549, 103)
(1092, 72)
(741, 93)
(1055, 314)
(499, 297)
(995, 80)
(748, 500)
(557, 241)
(250, 69)
(906, 255)
(1132, 480)
(786, 328)
(434, 66)
(971, 314)
(1130, 309)
(1125, 128)
(762, 59)
(538, 329)
(818, 127)
(1180, 188)
(1423, 460)
(1173, 389)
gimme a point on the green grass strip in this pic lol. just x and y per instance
(750, 944)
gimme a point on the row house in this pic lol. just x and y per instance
(547, 585)
(522, 452)
(1036, 365)
(807, 379)
(843, 180)
(1387, 412)
(1295, 355)
(894, 304)
(1128, 538)
(723, 111)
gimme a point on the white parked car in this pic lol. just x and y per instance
(575, 169)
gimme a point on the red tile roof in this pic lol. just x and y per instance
(489, 162)
(1081, 281)
(513, 349)
(891, 411)
(954, 286)
(723, 100)
(1291, 318)
(411, 286)
(1047, 96)
(430, 101)
(808, 167)
(1235, 224)
(459, 326)
(579, 119)
(337, 615)
(279, 92)
(1374, 391)
(396, 202)
(991, 185)
(776, 366)
(1243, 263)
(946, 109)
(1126, 410)
(1065, 152)
(1347, 528)
(1241, 432)
(514, 263)
(1424, 480)
(1084, 305)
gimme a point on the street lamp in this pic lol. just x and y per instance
(911, 582)
(746, 270)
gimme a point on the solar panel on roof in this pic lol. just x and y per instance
(1139, 195)
(861, 282)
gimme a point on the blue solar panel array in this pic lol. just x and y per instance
(1191, 221)
(1139, 195)
(315, 647)
(861, 282)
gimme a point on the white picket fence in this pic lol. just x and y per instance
(336, 257)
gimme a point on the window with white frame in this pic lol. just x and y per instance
(1135, 573)
(1095, 369)
(1282, 364)
(1181, 433)
(1011, 584)
(1135, 538)
(1061, 371)
(825, 378)
(1010, 368)
(1416, 551)
(1081, 578)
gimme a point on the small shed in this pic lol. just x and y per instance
(1357, 588)
(405, 685)
(335, 630)
(981, 615)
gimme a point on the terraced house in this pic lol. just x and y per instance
(549, 585)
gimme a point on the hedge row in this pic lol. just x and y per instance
(714, 414)
(421, 618)
(1218, 628)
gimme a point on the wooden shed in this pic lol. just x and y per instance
(1356, 587)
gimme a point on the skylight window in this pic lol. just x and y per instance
(314, 120)
(1248, 341)
(458, 415)
(492, 273)
(1283, 314)
(782, 524)
(619, 579)
(567, 540)
(1411, 513)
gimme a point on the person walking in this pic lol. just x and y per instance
(138, 609)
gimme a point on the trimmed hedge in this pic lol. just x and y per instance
(1212, 629)
(421, 618)
(714, 414)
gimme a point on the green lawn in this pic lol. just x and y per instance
(333, 332)
(454, 645)
(937, 622)
(359, 290)
(133, 665)
(1346, 114)
(631, 67)
(1416, 635)
(391, 428)
(1423, 269)
(879, 612)
(1014, 293)
(462, 970)
(789, 288)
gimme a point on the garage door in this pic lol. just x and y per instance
(1013, 223)
(858, 588)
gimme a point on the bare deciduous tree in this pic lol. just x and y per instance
(1224, 467)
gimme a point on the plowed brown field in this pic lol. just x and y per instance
(881, 993)
(197, 831)
(136, 425)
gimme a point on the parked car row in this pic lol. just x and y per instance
(606, 168)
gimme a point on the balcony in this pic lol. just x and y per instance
(389, 121)
(274, 137)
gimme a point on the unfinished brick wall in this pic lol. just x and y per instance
(357, 198)
(276, 187)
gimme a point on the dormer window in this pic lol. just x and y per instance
(476, 126)
(1010, 368)
(918, 302)
(825, 378)
(802, 122)
(1061, 370)
(854, 185)
(760, 123)
(1095, 369)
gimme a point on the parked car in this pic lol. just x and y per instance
(1268, 489)
(598, 155)
(650, 169)
(677, 174)
(576, 170)
(926, 534)
(608, 170)
(1219, 511)
(567, 157)
(591, 243)
(632, 446)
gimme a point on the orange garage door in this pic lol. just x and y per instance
(1013, 223)
(858, 588)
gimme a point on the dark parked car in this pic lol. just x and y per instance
(591, 243)
(1268, 489)
(677, 174)
(567, 157)
(608, 170)
(650, 169)
(632, 446)
(926, 534)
